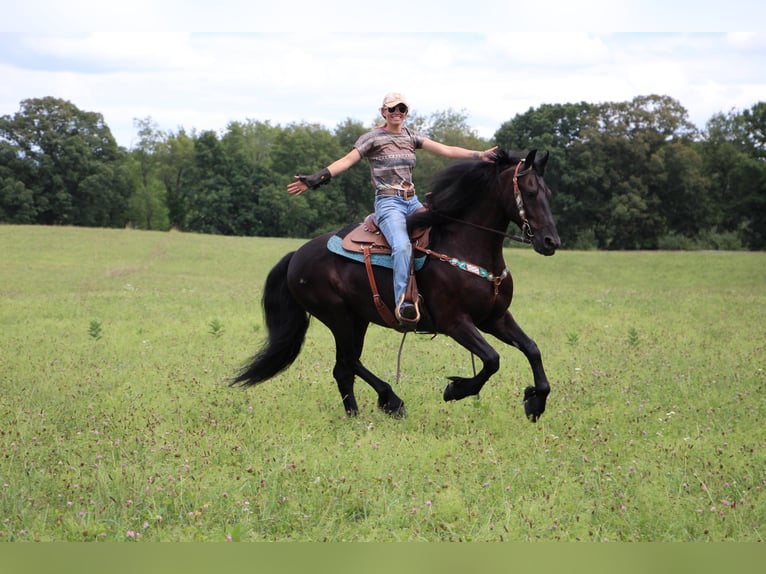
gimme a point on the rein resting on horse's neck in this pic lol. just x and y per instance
(524, 238)
(526, 230)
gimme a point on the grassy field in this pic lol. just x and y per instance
(116, 422)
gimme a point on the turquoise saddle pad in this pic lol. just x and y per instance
(334, 244)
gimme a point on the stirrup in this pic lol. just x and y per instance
(405, 320)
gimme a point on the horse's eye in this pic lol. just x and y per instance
(530, 192)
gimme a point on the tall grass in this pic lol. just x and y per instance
(116, 422)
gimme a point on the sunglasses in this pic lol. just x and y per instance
(401, 107)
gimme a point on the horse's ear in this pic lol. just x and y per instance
(543, 161)
(530, 161)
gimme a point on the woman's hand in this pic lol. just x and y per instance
(313, 181)
(297, 187)
(488, 155)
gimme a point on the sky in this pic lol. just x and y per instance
(490, 61)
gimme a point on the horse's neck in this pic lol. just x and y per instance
(473, 241)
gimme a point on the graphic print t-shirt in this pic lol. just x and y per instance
(391, 156)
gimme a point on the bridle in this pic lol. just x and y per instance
(526, 229)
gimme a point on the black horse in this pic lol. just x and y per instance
(465, 284)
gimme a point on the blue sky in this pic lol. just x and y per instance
(139, 64)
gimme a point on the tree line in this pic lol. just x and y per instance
(625, 175)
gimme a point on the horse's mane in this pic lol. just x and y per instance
(458, 187)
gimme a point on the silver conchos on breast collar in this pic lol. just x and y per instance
(496, 280)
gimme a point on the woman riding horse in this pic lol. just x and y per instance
(466, 285)
(390, 149)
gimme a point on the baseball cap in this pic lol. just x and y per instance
(393, 98)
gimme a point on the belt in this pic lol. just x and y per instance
(404, 193)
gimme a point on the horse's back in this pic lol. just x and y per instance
(310, 262)
(325, 282)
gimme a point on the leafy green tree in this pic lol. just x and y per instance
(70, 163)
(303, 149)
(749, 180)
(625, 175)
(654, 118)
(147, 208)
(248, 150)
(645, 129)
(285, 216)
(683, 190)
(225, 183)
(17, 201)
(549, 127)
(175, 158)
(238, 170)
(734, 153)
(210, 196)
(613, 166)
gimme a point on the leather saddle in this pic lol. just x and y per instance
(367, 234)
(367, 239)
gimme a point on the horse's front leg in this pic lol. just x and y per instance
(469, 337)
(507, 330)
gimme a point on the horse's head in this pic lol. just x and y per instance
(487, 196)
(527, 202)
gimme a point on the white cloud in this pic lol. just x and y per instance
(205, 81)
(560, 50)
(122, 49)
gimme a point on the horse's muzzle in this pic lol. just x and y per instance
(546, 243)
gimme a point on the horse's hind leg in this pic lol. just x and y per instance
(507, 330)
(349, 342)
(344, 376)
(388, 401)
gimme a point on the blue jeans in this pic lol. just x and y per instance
(391, 212)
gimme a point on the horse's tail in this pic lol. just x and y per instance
(286, 322)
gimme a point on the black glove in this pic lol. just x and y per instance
(317, 179)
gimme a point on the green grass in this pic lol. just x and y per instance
(116, 422)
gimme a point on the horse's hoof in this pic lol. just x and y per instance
(394, 408)
(451, 391)
(397, 412)
(534, 405)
